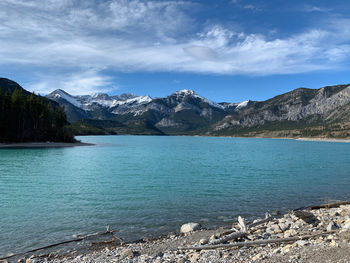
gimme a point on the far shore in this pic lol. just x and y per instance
(42, 145)
(318, 139)
(323, 140)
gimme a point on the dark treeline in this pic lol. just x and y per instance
(25, 118)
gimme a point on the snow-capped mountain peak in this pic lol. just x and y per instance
(103, 106)
(242, 104)
(89, 102)
(190, 93)
(184, 92)
(64, 95)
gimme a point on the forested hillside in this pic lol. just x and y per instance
(28, 117)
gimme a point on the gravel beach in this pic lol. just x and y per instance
(319, 235)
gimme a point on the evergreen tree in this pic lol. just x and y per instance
(26, 118)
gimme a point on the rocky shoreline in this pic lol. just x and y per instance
(313, 234)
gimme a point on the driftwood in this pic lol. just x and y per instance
(233, 233)
(228, 237)
(256, 242)
(267, 218)
(61, 243)
(331, 205)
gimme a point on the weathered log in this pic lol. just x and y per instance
(265, 220)
(228, 237)
(256, 242)
(330, 205)
(251, 225)
(241, 224)
(59, 243)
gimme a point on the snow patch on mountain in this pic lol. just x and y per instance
(242, 104)
(62, 94)
(186, 92)
(135, 100)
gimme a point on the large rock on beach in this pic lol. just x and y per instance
(190, 227)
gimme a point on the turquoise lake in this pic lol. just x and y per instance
(149, 185)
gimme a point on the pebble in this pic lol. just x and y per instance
(204, 241)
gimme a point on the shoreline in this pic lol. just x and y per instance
(25, 145)
(323, 140)
(310, 234)
(316, 139)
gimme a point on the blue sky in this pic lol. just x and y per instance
(225, 50)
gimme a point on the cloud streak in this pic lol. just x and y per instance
(74, 37)
(87, 82)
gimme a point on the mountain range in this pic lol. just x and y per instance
(302, 112)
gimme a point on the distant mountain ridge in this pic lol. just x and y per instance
(301, 112)
(182, 112)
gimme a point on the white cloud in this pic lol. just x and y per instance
(87, 82)
(251, 7)
(310, 8)
(248, 6)
(74, 37)
(201, 53)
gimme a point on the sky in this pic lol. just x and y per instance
(230, 50)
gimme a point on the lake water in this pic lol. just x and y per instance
(148, 185)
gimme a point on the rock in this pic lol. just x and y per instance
(21, 260)
(286, 248)
(294, 257)
(204, 241)
(280, 235)
(273, 229)
(213, 237)
(307, 217)
(128, 253)
(346, 224)
(277, 250)
(190, 227)
(301, 243)
(284, 226)
(159, 254)
(332, 226)
(334, 213)
(333, 244)
(256, 257)
(330, 237)
(194, 257)
(297, 224)
(290, 233)
(319, 240)
(171, 235)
